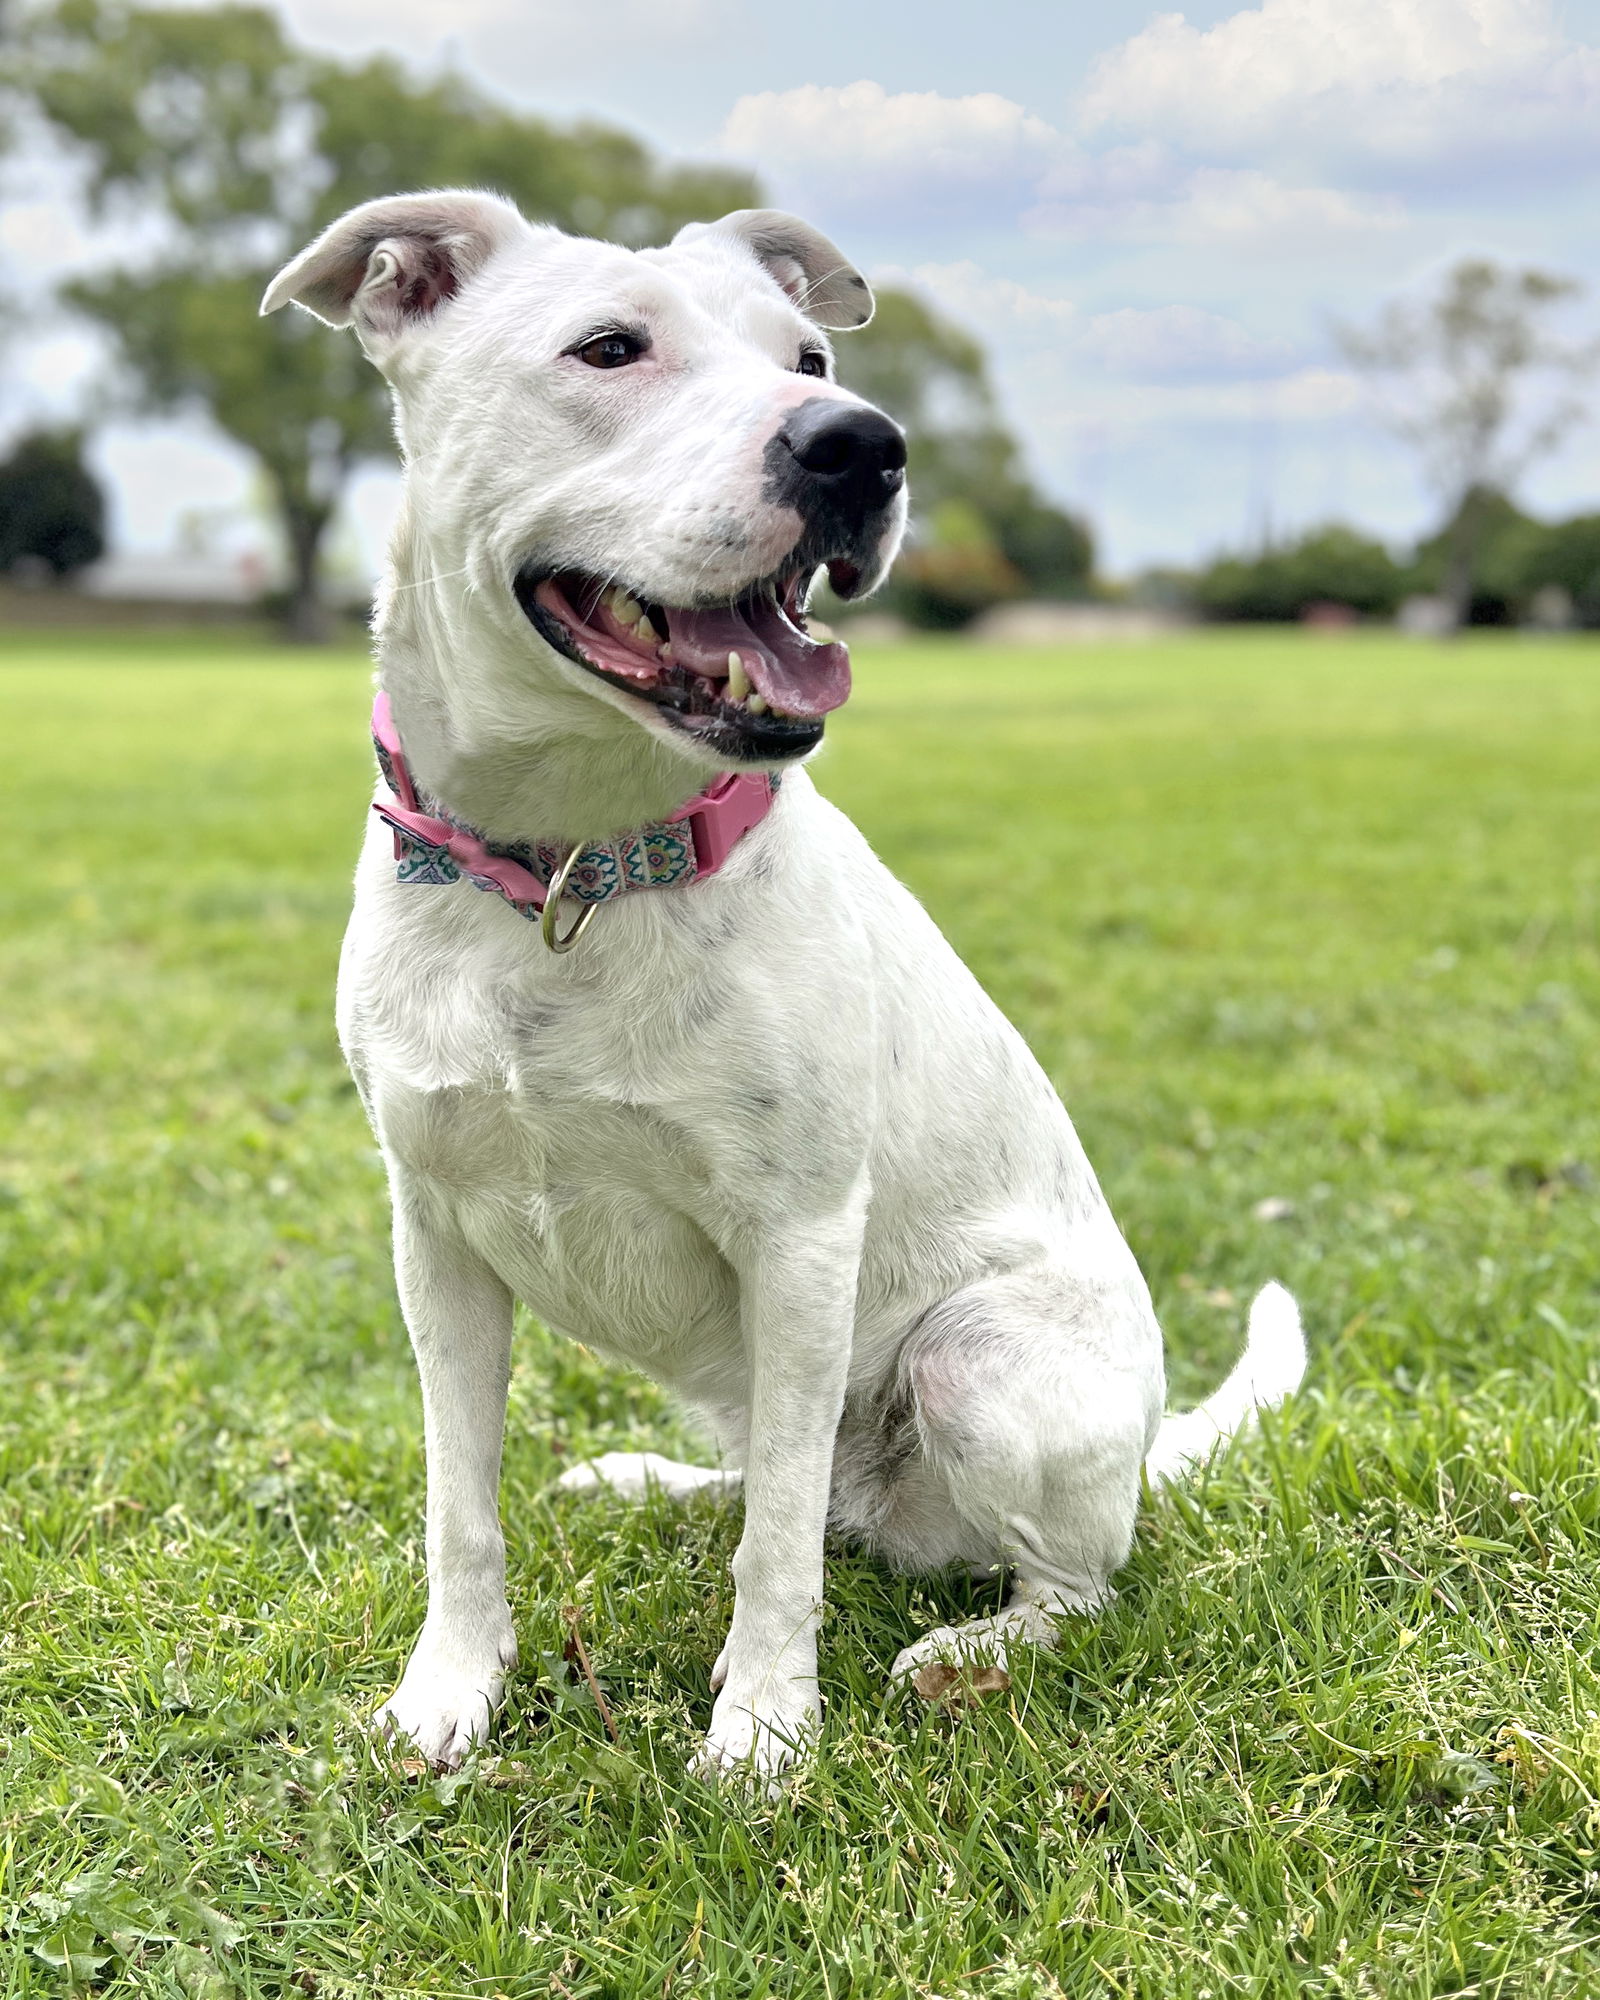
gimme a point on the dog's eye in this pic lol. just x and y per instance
(812, 362)
(611, 350)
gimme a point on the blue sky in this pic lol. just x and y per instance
(1151, 219)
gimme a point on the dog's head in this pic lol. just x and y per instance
(640, 458)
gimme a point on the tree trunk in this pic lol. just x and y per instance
(307, 620)
(1461, 564)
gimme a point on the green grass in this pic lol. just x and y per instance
(1317, 920)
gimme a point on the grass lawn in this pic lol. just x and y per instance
(1313, 920)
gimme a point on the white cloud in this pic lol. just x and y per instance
(1285, 50)
(858, 148)
(1311, 394)
(858, 144)
(1308, 395)
(1174, 344)
(1238, 205)
(553, 26)
(1178, 342)
(1239, 208)
(1406, 82)
(998, 305)
(1080, 397)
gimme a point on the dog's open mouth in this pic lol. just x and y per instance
(746, 677)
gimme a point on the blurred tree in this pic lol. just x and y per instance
(1496, 529)
(1474, 381)
(930, 376)
(954, 570)
(52, 511)
(226, 148)
(1328, 565)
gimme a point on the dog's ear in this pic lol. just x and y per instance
(394, 262)
(830, 291)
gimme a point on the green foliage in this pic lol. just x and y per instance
(931, 378)
(954, 570)
(1052, 549)
(1307, 921)
(1536, 555)
(52, 511)
(1514, 557)
(241, 147)
(1327, 565)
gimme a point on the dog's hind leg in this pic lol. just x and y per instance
(633, 1473)
(1035, 1398)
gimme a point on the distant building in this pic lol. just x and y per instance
(178, 577)
(1426, 617)
(1043, 622)
(156, 588)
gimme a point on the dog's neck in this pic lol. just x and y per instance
(495, 735)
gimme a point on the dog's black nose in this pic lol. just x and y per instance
(853, 457)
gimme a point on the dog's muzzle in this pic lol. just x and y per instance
(743, 674)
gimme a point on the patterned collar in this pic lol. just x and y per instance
(431, 846)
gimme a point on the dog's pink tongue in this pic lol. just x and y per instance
(794, 674)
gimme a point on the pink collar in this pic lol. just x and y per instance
(687, 846)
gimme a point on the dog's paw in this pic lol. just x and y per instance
(954, 1646)
(982, 1642)
(756, 1751)
(444, 1705)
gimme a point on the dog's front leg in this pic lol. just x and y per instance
(798, 1308)
(459, 1317)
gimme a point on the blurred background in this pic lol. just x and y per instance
(1277, 313)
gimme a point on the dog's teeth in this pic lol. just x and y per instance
(738, 679)
(628, 609)
(645, 630)
(665, 656)
(757, 704)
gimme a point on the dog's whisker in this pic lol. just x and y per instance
(439, 576)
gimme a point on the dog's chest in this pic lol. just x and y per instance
(575, 1147)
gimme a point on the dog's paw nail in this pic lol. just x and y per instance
(716, 1764)
(442, 1710)
(936, 1649)
(752, 1753)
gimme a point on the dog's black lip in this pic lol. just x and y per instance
(752, 739)
(764, 739)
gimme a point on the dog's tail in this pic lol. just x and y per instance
(1270, 1368)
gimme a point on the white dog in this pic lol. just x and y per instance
(749, 1125)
